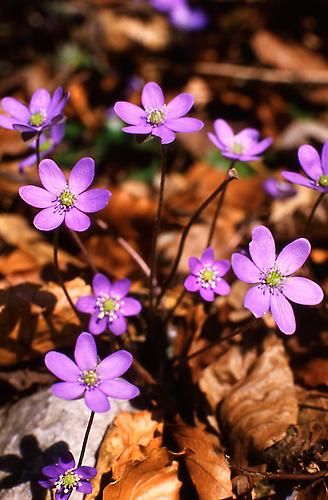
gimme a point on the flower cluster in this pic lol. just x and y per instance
(181, 15)
(109, 305)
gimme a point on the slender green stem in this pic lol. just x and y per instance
(61, 281)
(84, 251)
(314, 208)
(85, 439)
(37, 148)
(157, 228)
(232, 175)
(218, 210)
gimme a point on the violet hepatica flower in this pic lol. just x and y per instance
(108, 305)
(158, 118)
(206, 276)
(272, 278)
(89, 377)
(314, 167)
(65, 478)
(42, 113)
(49, 140)
(65, 201)
(278, 189)
(181, 15)
(244, 146)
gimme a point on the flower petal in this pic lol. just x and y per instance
(86, 304)
(82, 175)
(39, 101)
(310, 161)
(101, 284)
(66, 460)
(257, 149)
(166, 135)
(118, 326)
(244, 268)
(96, 325)
(77, 220)
(48, 219)
(85, 352)
(62, 366)
(115, 365)
(84, 487)
(191, 283)
(222, 266)
(179, 106)
(130, 113)
(184, 124)
(215, 141)
(15, 108)
(47, 484)
(293, 256)
(282, 313)
(93, 200)
(36, 196)
(194, 265)
(96, 400)
(303, 291)
(300, 179)
(67, 390)
(54, 100)
(138, 129)
(121, 287)
(6, 122)
(223, 131)
(324, 158)
(247, 136)
(257, 300)
(119, 389)
(152, 96)
(207, 256)
(131, 307)
(22, 127)
(207, 294)
(51, 176)
(262, 248)
(52, 471)
(86, 472)
(222, 288)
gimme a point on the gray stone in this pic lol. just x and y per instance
(35, 430)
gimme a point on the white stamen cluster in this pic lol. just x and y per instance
(68, 482)
(65, 200)
(272, 279)
(38, 118)
(156, 116)
(208, 276)
(89, 378)
(109, 305)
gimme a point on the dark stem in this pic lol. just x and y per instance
(186, 229)
(314, 208)
(37, 148)
(280, 475)
(60, 279)
(85, 439)
(239, 331)
(84, 251)
(157, 228)
(218, 210)
(178, 302)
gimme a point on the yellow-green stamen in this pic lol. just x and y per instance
(68, 481)
(323, 181)
(67, 198)
(37, 119)
(90, 378)
(156, 117)
(273, 278)
(237, 148)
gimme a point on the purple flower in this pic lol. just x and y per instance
(244, 146)
(158, 118)
(49, 139)
(316, 169)
(43, 112)
(65, 201)
(185, 18)
(108, 305)
(65, 478)
(95, 380)
(278, 189)
(206, 276)
(271, 275)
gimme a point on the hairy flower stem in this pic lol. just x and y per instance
(37, 148)
(61, 281)
(218, 210)
(232, 175)
(85, 439)
(157, 228)
(314, 208)
(84, 251)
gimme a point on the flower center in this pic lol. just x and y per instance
(90, 378)
(237, 148)
(68, 481)
(66, 199)
(38, 118)
(208, 276)
(323, 181)
(156, 116)
(108, 306)
(274, 278)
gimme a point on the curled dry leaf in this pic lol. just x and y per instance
(155, 478)
(262, 405)
(131, 437)
(207, 465)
